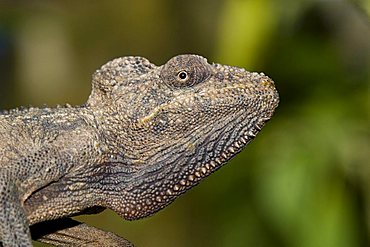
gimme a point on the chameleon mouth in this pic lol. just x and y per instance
(192, 177)
(247, 134)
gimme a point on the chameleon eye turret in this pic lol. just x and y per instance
(185, 70)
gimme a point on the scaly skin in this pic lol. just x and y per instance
(146, 135)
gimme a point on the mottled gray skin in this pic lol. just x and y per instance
(146, 135)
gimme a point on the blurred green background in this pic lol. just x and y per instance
(304, 181)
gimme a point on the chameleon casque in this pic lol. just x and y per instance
(145, 135)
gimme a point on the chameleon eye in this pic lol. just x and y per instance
(182, 75)
(185, 71)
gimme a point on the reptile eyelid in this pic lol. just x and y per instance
(196, 68)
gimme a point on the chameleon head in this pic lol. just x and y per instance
(178, 122)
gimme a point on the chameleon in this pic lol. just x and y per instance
(145, 135)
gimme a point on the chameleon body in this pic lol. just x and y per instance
(146, 135)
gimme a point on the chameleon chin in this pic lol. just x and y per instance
(146, 135)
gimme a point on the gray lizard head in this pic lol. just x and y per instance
(170, 126)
